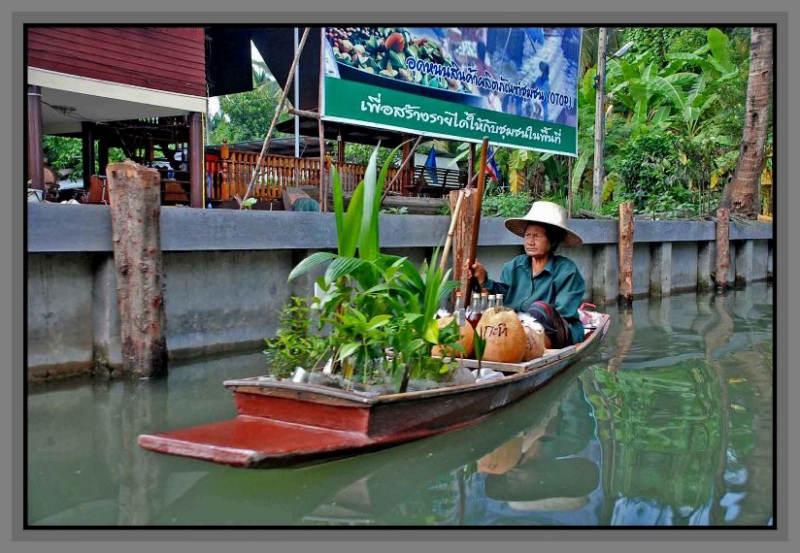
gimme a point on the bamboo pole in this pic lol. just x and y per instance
(462, 235)
(277, 113)
(450, 231)
(471, 181)
(464, 231)
(303, 113)
(400, 170)
(723, 248)
(135, 209)
(406, 154)
(470, 163)
(626, 253)
(476, 222)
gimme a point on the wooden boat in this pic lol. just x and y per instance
(281, 423)
(270, 497)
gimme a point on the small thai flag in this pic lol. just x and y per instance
(430, 163)
(491, 167)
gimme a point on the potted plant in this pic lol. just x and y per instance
(379, 309)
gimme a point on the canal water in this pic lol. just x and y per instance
(668, 423)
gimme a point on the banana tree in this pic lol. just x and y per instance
(637, 89)
(693, 79)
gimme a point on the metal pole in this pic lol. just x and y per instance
(569, 185)
(323, 177)
(296, 97)
(599, 123)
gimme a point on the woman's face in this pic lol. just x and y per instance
(536, 243)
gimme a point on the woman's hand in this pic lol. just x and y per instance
(478, 271)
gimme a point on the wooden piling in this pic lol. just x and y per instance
(135, 208)
(35, 148)
(625, 253)
(723, 248)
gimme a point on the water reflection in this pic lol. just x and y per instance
(668, 423)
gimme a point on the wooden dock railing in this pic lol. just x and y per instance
(228, 177)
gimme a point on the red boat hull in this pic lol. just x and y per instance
(281, 423)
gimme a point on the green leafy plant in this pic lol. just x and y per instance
(498, 203)
(402, 210)
(65, 153)
(648, 169)
(380, 308)
(295, 344)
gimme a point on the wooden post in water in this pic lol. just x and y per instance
(624, 340)
(135, 193)
(626, 253)
(723, 248)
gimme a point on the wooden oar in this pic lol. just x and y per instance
(473, 283)
(453, 221)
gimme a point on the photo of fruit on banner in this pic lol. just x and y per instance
(527, 72)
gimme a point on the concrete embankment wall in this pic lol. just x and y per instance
(226, 272)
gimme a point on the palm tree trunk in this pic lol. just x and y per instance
(741, 193)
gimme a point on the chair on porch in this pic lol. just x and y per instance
(98, 191)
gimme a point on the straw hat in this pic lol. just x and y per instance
(545, 213)
(544, 478)
(551, 504)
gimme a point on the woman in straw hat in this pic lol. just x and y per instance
(547, 286)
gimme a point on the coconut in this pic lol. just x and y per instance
(534, 337)
(504, 334)
(466, 340)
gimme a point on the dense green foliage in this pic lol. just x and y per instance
(247, 115)
(65, 153)
(498, 204)
(674, 122)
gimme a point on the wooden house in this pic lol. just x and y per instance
(145, 90)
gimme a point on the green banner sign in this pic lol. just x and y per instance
(518, 86)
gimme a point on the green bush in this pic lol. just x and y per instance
(648, 165)
(505, 204)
